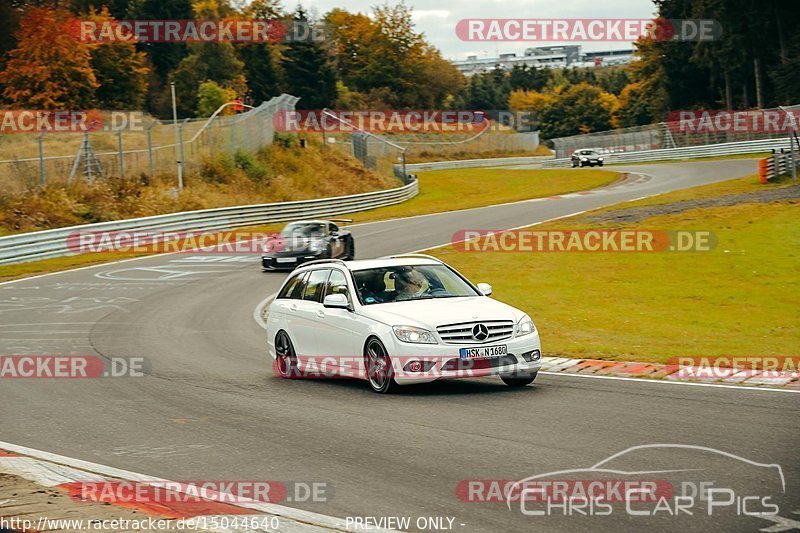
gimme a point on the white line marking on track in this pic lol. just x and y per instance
(667, 382)
(82, 468)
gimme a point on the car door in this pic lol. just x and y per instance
(305, 310)
(337, 327)
(288, 305)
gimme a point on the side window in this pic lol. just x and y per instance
(289, 287)
(333, 227)
(337, 284)
(316, 284)
(297, 291)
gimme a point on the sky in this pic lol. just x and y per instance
(438, 18)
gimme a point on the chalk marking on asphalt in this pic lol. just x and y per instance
(667, 382)
(65, 467)
(258, 312)
(130, 259)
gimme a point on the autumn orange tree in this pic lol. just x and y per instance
(121, 71)
(50, 68)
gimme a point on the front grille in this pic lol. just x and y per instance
(479, 364)
(462, 333)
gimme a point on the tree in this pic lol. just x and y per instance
(635, 108)
(309, 75)
(211, 97)
(261, 59)
(165, 56)
(214, 61)
(49, 69)
(528, 78)
(581, 108)
(385, 57)
(120, 70)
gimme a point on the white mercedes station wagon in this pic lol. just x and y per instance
(396, 321)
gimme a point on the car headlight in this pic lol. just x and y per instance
(599, 158)
(524, 327)
(414, 335)
(584, 158)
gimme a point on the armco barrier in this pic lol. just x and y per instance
(776, 165)
(53, 243)
(710, 150)
(476, 163)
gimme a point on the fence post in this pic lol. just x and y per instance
(121, 154)
(183, 155)
(150, 149)
(42, 177)
(211, 138)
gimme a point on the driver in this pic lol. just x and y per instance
(410, 284)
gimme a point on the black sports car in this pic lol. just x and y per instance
(305, 240)
(583, 158)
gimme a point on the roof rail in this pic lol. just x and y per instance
(421, 256)
(318, 261)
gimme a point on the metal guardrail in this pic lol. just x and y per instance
(47, 244)
(776, 165)
(710, 150)
(476, 163)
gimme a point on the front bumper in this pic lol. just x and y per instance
(271, 262)
(423, 363)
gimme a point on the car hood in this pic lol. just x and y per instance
(430, 314)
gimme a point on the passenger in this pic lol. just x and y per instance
(410, 285)
(372, 287)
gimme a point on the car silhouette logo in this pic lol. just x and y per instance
(480, 332)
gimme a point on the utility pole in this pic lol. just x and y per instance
(792, 157)
(177, 138)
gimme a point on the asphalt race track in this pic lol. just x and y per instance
(210, 407)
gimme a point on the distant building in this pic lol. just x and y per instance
(545, 57)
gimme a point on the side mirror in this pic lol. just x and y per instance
(485, 288)
(336, 301)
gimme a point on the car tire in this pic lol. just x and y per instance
(517, 380)
(285, 364)
(378, 364)
(350, 252)
(599, 164)
(581, 164)
(574, 164)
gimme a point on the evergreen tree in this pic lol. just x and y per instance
(309, 74)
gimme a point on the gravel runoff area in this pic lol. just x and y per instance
(636, 214)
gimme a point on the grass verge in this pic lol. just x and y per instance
(480, 187)
(445, 190)
(739, 299)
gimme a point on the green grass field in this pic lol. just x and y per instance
(481, 187)
(741, 298)
(445, 190)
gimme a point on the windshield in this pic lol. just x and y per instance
(404, 283)
(305, 231)
(588, 152)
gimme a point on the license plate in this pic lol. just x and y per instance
(286, 259)
(484, 352)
